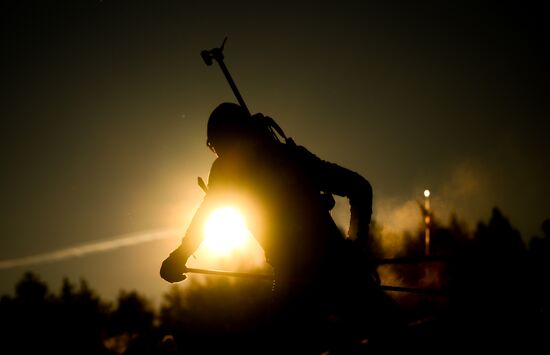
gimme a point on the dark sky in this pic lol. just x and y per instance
(105, 103)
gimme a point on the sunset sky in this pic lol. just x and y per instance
(105, 104)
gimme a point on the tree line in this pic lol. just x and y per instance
(496, 293)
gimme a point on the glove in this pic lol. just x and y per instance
(173, 268)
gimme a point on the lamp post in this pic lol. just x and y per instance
(427, 222)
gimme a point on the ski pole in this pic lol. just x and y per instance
(269, 277)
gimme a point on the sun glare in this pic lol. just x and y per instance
(225, 231)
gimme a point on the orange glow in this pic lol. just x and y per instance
(225, 231)
(228, 244)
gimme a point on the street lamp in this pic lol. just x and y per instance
(427, 221)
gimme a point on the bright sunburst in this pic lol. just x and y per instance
(224, 231)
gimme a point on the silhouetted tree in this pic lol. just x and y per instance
(173, 309)
(133, 322)
(489, 293)
(31, 291)
(539, 278)
(36, 321)
(224, 314)
(81, 319)
(29, 322)
(134, 314)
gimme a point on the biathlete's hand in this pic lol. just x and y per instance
(173, 268)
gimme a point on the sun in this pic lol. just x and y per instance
(225, 231)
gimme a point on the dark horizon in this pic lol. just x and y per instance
(490, 286)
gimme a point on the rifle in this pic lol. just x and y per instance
(216, 54)
(208, 56)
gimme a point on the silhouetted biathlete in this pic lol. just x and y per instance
(289, 192)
